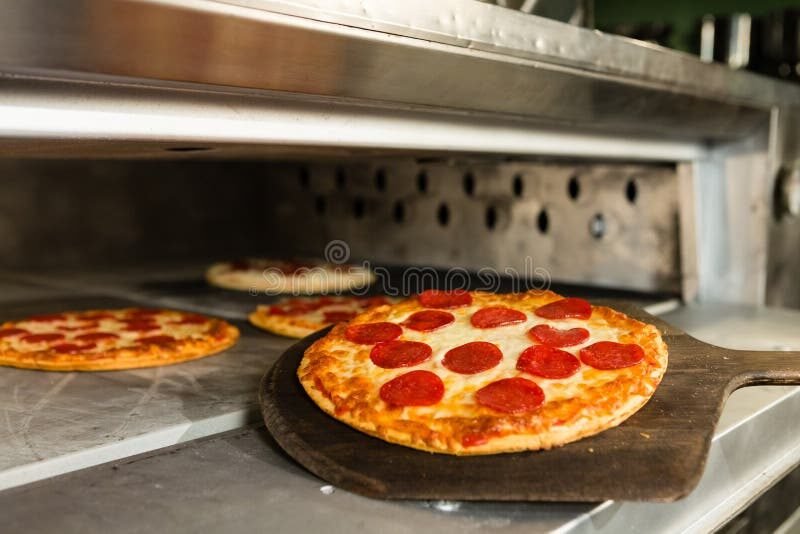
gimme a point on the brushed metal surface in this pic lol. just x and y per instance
(59, 422)
(450, 55)
(69, 119)
(483, 27)
(607, 225)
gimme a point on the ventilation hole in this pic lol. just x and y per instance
(305, 178)
(443, 215)
(517, 186)
(188, 148)
(320, 205)
(380, 180)
(491, 218)
(341, 178)
(422, 182)
(543, 222)
(399, 212)
(631, 191)
(574, 188)
(358, 208)
(597, 226)
(469, 183)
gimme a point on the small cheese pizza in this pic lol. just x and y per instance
(276, 277)
(478, 373)
(299, 317)
(105, 340)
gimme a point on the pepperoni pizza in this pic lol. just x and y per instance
(477, 373)
(299, 317)
(288, 277)
(104, 340)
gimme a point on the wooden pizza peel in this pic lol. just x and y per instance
(656, 455)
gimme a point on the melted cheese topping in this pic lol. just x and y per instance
(511, 339)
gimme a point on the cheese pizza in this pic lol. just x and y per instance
(478, 373)
(104, 340)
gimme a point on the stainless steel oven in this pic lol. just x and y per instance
(142, 139)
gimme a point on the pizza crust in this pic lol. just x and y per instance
(283, 325)
(337, 376)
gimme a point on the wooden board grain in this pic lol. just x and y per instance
(656, 455)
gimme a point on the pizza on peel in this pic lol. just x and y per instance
(301, 316)
(105, 340)
(478, 373)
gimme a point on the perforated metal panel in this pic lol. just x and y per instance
(610, 225)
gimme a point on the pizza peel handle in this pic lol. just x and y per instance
(658, 454)
(753, 368)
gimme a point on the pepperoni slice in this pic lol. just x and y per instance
(473, 439)
(49, 318)
(472, 358)
(371, 302)
(87, 326)
(394, 354)
(96, 336)
(38, 338)
(511, 395)
(239, 265)
(369, 333)
(566, 308)
(191, 319)
(555, 337)
(72, 348)
(156, 340)
(8, 332)
(140, 326)
(296, 307)
(436, 298)
(415, 388)
(495, 316)
(608, 355)
(548, 362)
(428, 320)
(339, 316)
(292, 267)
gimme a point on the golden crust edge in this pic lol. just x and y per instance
(499, 445)
(274, 325)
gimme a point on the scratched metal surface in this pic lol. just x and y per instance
(51, 423)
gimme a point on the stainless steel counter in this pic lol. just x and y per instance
(235, 480)
(59, 422)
